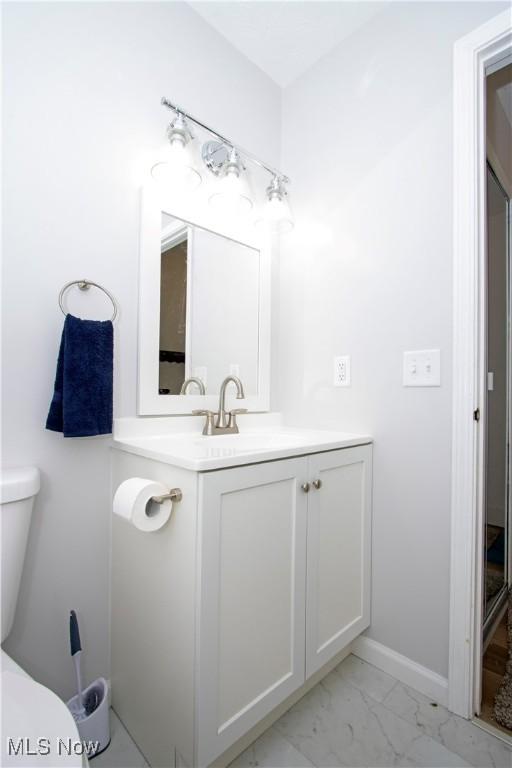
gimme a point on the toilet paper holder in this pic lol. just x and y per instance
(175, 494)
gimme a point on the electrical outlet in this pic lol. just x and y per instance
(341, 371)
(234, 369)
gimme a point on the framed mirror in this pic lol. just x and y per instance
(204, 311)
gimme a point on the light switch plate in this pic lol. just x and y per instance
(422, 368)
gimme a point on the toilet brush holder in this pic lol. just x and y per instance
(93, 721)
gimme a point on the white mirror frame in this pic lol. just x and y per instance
(150, 403)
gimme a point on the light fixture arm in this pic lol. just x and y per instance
(243, 152)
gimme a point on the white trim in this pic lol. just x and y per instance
(485, 726)
(173, 234)
(189, 317)
(472, 54)
(501, 62)
(406, 670)
(150, 403)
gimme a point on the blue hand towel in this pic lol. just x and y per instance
(82, 400)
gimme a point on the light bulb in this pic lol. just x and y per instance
(231, 196)
(176, 171)
(276, 214)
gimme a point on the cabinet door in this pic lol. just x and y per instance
(252, 598)
(338, 552)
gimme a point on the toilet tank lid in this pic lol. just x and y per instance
(18, 483)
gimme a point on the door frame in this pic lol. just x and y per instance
(473, 55)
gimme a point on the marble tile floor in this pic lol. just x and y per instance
(356, 716)
(122, 751)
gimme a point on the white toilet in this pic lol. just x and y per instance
(37, 727)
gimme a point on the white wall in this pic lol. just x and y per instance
(367, 142)
(82, 88)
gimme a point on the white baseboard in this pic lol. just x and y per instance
(404, 669)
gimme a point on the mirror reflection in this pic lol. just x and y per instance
(209, 310)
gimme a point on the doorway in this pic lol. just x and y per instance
(496, 644)
(482, 52)
(497, 529)
(497, 472)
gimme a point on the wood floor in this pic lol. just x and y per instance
(494, 662)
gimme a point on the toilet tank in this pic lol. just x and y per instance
(18, 487)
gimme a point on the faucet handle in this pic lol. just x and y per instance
(232, 417)
(208, 427)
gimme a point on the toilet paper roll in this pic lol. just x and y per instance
(132, 502)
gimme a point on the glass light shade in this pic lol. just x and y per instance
(276, 216)
(231, 196)
(176, 171)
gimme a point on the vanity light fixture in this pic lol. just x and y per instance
(276, 213)
(231, 195)
(225, 160)
(177, 169)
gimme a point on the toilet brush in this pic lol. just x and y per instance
(76, 652)
(90, 707)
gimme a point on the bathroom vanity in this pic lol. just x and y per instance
(260, 579)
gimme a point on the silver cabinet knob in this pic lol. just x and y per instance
(317, 484)
(305, 487)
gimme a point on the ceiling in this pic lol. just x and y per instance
(285, 38)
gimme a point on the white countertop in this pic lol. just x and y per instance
(200, 453)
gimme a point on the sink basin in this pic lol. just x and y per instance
(204, 453)
(251, 441)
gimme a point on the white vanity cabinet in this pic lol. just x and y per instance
(338, 552)
(252, 597)
(278, 571)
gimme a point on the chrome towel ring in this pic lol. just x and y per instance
(84, 285)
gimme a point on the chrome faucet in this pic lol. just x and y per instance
(193, 380)
(223, 422)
